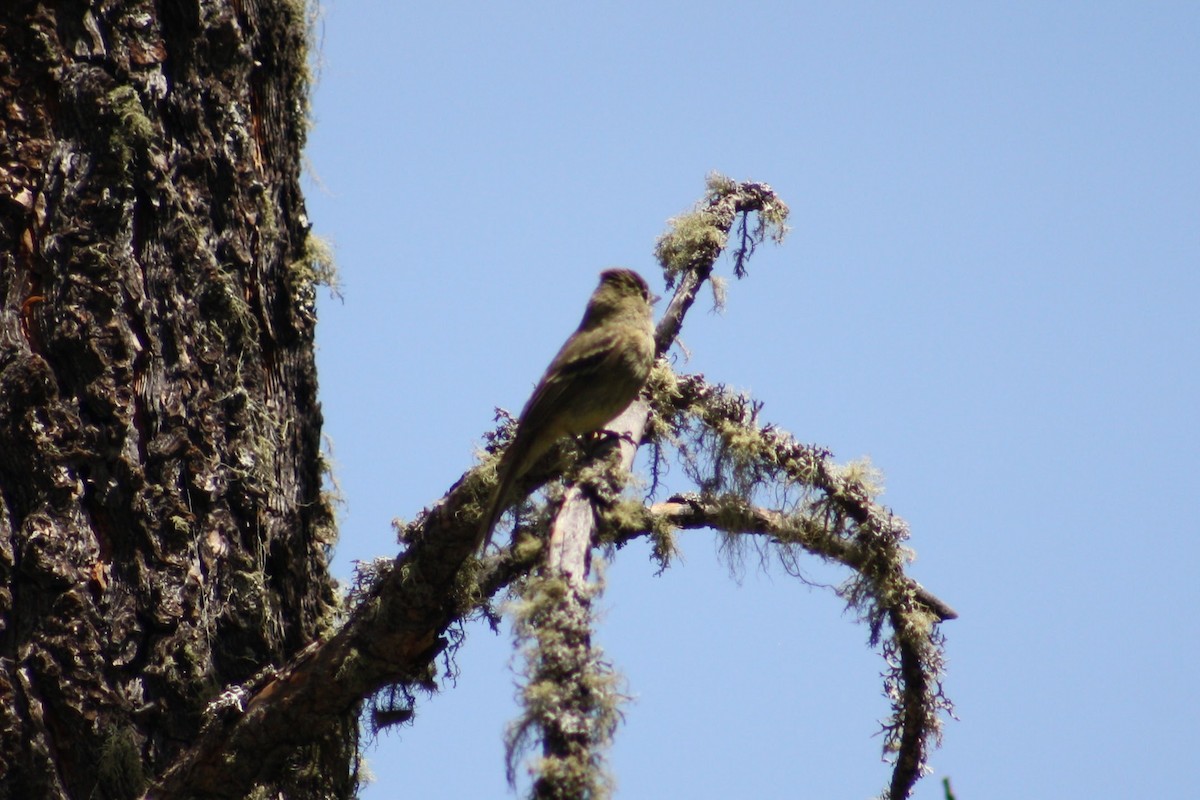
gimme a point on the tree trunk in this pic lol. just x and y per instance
(163, 531)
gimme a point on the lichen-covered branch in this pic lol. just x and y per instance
(690, 249)
(396, 628)
(570, 695)
(831, 512)
(731, 515)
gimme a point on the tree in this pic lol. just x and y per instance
(169, 621)
(162, 528)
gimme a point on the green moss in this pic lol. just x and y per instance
(119, 772)
(130, 130)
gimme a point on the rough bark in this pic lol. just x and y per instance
(162, 527)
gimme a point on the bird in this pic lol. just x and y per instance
(597, 373)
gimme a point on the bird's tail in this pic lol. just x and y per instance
(506, 474)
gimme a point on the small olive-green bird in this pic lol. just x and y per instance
(595, 376)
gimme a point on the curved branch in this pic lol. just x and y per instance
(913, 612)
(731, 515)
(839, 520)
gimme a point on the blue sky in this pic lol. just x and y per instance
(990, 289)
